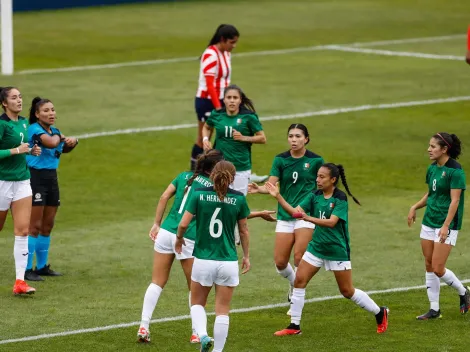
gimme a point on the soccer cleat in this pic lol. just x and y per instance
(465, 301)
(47, 271)
(31, 275)
(143, 335)
(255, 178)
(292, 329)
(432, 314)
(206, 343)
(22, 288)
(382, 320)
(194, 339)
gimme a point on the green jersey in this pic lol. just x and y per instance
(181, 201)
(440, 180)
(247, 123)
(329, 243)
(215, 223)
(12, 134)
(297, 178)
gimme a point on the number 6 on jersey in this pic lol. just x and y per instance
(215, 221)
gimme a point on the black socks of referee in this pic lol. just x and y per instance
(197, 150)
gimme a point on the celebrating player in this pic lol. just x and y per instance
(217, 210)
(296, 171)
(444, 202)
(44, 184)
(15, 188)
(329, 246)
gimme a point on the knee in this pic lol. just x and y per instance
(439, 270)
(280, 264)
(300, 281)
(46, 229)
(298, 257)
(346, 291)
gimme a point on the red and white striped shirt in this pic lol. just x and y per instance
(218, 65)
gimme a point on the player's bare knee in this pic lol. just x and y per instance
(281, 263)
(439, 270)
(347, 292)
(300, 281)
(24, 231)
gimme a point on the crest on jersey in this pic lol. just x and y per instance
(24, 125)
(306, 166)
(239, 121)
(332, 205)
(443, 174)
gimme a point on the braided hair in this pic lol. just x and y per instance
(222, 175)
(337, 171)
(204, 165)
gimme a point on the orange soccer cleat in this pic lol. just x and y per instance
(22, 288)
(382, 320)
(292, 329)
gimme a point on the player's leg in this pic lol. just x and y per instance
(35, 225)
(6, 197)
(187, 265)
(343, 275)
(223, 297)
(439, 258)
(283, 245)
(433, 286)
(308, 267)
(43, 243)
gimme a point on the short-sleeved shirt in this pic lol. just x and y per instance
(180, 203)
(215, 223)
(441, 180)
(329, 243)
(237, 152)
(49, 158)
(12, 134)
(297, 178)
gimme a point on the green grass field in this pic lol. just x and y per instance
(110, 185)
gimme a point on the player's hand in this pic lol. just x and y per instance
(411, 216)
(443, 234)
(267, 215)
(272, 189)
(246, 266)
(179, 244)
(154, 232)
(253, 188)
(206, 145)
(36, 150)
(237, 136)
(70, 142)
(22, 149)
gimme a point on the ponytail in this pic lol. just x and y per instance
(451, 141)
(204, 165)
(337, 171)
(226, 31)
(246, 102)
(222, 176)
(32, 111)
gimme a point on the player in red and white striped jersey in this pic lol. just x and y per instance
(468, 46)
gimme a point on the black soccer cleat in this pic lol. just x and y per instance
(465, 301)
(31, 275)
(432, 314)
(47, 271)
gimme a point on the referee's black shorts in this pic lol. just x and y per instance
(45, 187)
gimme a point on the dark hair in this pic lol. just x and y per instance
(246, 102)
(204, 165)
(301, 127)
(451, 141)
(35, 106)
(4, 94)
(337, 171)
(222, 175)
(226, 31)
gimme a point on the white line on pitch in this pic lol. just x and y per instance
(185, 317)
(395, 53)
(285, 117)
(245, 54)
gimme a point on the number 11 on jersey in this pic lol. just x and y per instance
(228, 131)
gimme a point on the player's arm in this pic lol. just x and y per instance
(184, 223)
(258, 138)
(206, 135)
(454, 205)
(245, 242)
(161, 206)
(255, 188)
(331, 222)
(263, 214)
(274, 191)
(421, 204)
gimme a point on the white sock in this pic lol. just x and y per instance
(192, 325)
(288, 273)
(363, 300)
(199, 318)
(220, 332)
(297, 305)
(450, 279)
(20, 252)
(150, 301)
(434, 288)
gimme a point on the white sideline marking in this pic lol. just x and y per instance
(246, 54)
(284, 117)
(184, 317)
(395, 53)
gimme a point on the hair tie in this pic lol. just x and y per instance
(448, 145)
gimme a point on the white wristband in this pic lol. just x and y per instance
(205, 139)
(17, 151)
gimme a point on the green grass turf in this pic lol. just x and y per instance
(110, 185)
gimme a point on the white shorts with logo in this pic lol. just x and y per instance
(428, 233)
(209, 272)
(242, 179)
(291, 225)
(330, 265)
(165, 243)
(11, 191)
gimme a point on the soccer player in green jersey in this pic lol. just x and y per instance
(15, 189)
(217, 210)
(296, 171)
(164, 235)
(444, 202)
(236, 127)
(329, 247)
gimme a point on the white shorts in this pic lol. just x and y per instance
(242, 179)
(209, 272)
(428, 233)
(330, 265)
(165, 243)
(11, 191)
(290, 226)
